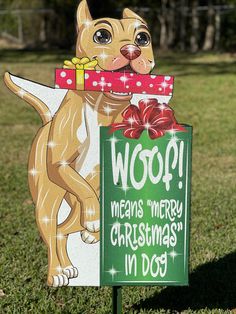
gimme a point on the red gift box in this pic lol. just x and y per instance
(118, 82)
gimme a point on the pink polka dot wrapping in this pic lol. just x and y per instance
(65, 79)
(121, 82)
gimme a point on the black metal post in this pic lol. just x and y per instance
(117, 300)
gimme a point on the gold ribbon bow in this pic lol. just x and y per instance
(80, 65)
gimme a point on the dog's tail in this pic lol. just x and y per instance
(35, 102)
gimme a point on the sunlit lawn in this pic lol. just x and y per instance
(204, 97)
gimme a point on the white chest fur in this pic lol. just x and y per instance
(88, 136)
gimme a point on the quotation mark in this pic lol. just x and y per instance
(179, 226)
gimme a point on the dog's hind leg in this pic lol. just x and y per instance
(70, 225)
(48, 204)
(47, 197)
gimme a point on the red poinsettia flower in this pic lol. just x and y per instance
(149, 115)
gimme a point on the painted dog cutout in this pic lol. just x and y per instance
(64, 158)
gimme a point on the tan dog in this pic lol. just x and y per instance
(64, 159)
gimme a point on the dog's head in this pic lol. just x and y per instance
(118, 45)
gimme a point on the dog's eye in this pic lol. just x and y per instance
(142, 39)
(102, 36)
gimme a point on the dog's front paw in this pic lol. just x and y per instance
(91, 214)
(71, 272)
(89, 238)
(92, 226)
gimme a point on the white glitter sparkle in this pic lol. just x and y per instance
(131, 120)
(124, 78)
(112, 272)
(90, 212)
(48, 115)
(147, 126)
(51, 144)
(137, 23)
(162, 106)
(116, 224)
(108, 110)
(113, 140)
(59, 269)
(93, 174)
(45, 220)
(173, 254)
(21, 93)
(33, 172)
(64, 163)
(146, 101)
(175, 138)
(125, 188)
(60, 236)
(172, 132)
(87, 23)
(164, 84)
(102, 84)
(132, 49)
(103, 55)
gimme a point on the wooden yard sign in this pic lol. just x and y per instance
(110, 168)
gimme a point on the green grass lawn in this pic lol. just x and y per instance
(205, 97)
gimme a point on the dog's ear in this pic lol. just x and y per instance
(129, 14)
(83, 14)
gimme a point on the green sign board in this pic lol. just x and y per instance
(145, 208)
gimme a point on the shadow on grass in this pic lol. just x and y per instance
(212, 286)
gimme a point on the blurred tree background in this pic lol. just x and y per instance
(186, 25)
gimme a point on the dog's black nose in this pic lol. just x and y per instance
(130, 52)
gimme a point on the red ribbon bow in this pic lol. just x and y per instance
(149, 115)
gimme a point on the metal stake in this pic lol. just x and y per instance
(117, 300)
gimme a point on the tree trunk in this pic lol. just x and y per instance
(210, 29)
(20, 29)
(42, 33)
(217, 29)
(182, 25)
(163, 22)
(195, 27)
(154, 27)
(171, 24)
